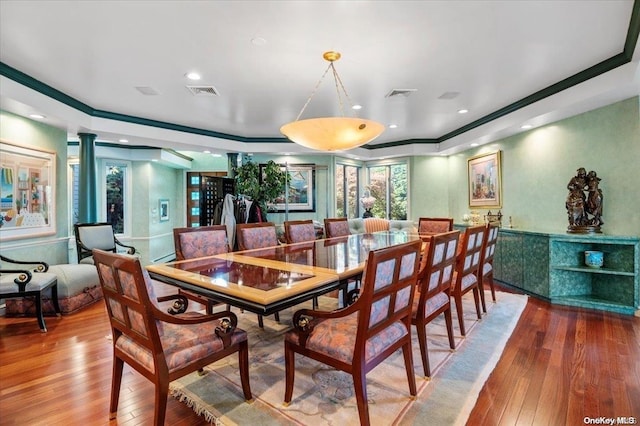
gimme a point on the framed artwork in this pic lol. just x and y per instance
(301, 191)
(27, 192)
(485, 181)
(164, 210)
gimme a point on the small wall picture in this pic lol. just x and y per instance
(164, 210)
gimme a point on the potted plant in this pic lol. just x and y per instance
(261, 189)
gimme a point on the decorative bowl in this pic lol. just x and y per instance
(593, 259)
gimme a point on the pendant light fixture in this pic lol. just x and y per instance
(332, 133)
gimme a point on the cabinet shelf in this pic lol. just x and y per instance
(588, 270)
(591, 302)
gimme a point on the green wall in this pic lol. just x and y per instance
(538, 164)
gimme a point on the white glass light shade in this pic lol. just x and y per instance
(332, 133)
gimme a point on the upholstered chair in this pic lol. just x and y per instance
(432, 291)
(99, 235)
(194, 242)
(465, 278)
(256, 235)
(159, 346)
(28, 279)
(298, 231)
(375, 224)
(435, 225)
(485, 271)
(359, 337)
(336, 227)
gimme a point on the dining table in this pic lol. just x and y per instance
(268, 280)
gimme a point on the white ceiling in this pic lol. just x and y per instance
(493, 53)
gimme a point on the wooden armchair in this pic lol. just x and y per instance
(358, 338)
(255, 236)
(99, 235)
(435, 225)
(160, 346)
(28, 279)
(466, 275)
(485, 270)
(191, 243)
(432, 292)
(298, 231)
(336, 227)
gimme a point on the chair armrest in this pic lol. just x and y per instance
(22, 279)
(303, 323)
(42, 266)
(228, 322)
(131, 249)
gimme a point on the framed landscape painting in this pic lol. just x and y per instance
(485, 181)
(301, 191)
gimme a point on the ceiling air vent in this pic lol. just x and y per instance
(203, 90)
(148, 91)
(400, 92)
(449, 95)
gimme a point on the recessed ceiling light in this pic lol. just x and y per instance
(123, 140)
(474, 144)
(393, 126)
(357, 106)
(38, 116)
(154, 160)
(463, 111)
(526, 126)
(258, 41)
(193, 76)
(206, 151)
(216, 155)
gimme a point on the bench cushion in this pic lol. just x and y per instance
(78, 286)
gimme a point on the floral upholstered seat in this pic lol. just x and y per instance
(435, 225)
(256, 235)
(298, 231)
(200, 241)
(357, 338)
(157, 345)
(336, 227)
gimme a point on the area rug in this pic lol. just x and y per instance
(324, 396)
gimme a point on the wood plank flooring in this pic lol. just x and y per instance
(560, 365)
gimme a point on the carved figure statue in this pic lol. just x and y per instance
(576, 199)
(584, 212)
(594, 199)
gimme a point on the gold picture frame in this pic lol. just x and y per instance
(485, 180)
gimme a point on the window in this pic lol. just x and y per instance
(347, 192)
(388, 185)
(114, 186)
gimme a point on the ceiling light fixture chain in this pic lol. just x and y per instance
(314, 91)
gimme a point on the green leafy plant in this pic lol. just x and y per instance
(262, 189)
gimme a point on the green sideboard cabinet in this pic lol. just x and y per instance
(552, 266)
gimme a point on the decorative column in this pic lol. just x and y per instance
(232, 163)
(88, 188)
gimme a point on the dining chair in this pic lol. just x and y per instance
(98, 235)
(298, 231)
(485, 270)
(20, 278)
(159, 346)
(359, 337)
(432, 290)
(191, 243)
(435, 225)
(465, 277)
(255, 236)
(336, 227)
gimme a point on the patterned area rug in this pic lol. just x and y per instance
(324, 396)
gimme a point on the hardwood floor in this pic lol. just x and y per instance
(560, 365)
